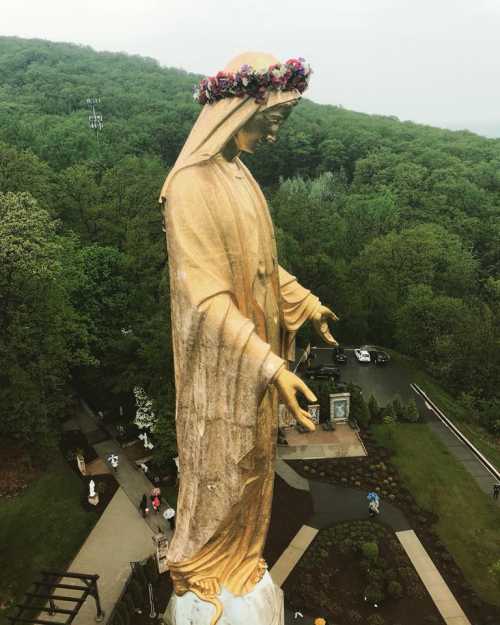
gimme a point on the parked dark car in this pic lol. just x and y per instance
(339, 356)
(378, 357)
(322, 372)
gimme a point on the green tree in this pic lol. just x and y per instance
(358, 409)
(411, 413)
(41, 335)
(373, 408)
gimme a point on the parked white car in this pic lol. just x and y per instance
(362, 355)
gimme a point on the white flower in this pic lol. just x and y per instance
(145, 417)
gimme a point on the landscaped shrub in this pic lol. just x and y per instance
(358, 408)
(370, 551)
(494, 571)
(137, 592)
(373, 408)
(375, 619)
(411, 413)
(354, 617)
(122, 610)
(394, 589)
(397, 406)
(375, 577)
(391, 575)
(129, 602)
(336, 609)
(374, 594)
(117, 619)
(140, 576)
(151, 570)
(346, 546)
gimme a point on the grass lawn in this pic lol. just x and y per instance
(469, 523)
(478, 436)
(41, 528)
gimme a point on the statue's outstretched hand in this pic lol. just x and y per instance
(320, 323)
(288, 384)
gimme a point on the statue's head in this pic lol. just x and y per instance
(263, 126)
(242, 106)
(276, 103)
(275, 88)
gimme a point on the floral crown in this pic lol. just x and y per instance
(294, 74)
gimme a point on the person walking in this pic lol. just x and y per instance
(156, 504)
(143, 506)
(113, 461)
(156, 492)
(373, 504)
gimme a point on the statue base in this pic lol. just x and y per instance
(262, 606)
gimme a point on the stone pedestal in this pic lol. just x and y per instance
(262, 606)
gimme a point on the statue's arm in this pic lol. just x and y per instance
(300, 305)
(201, 277)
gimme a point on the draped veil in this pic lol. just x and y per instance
(233, 313)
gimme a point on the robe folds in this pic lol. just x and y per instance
(234, 314)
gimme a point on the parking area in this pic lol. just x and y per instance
(383, 381)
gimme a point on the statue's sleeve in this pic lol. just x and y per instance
(202, 279)
(298, 304)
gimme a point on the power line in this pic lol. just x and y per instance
(95, 119)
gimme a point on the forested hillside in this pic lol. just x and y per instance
(395, 225)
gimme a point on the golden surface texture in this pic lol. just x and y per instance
(234, 314)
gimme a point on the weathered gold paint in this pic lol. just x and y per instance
(235, 312)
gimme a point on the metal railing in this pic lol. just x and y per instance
(460, 435)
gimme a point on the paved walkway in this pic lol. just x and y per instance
(333, 504)
(132, 480)
(119, 538)
(445, 602)
(292, 554)
(464, 455)
(291, 477)
(121, 535)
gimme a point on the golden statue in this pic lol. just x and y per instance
(235, 313)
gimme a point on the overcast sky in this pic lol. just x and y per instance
(431, 61)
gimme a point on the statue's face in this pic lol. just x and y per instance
(263, 126)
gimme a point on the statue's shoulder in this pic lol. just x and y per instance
(198, 175)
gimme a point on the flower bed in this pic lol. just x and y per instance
(357, 572)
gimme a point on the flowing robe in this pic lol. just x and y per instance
(234, 312)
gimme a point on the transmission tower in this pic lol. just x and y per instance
(95, 119)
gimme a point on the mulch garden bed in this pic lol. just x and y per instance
(376, 472)
(74, 442)
(17, 470)
(291, 510)
(357, 572)
(134, 607)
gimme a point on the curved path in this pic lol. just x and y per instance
(334, 504)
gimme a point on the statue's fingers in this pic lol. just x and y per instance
(327, 337)
(306, 391)
(305, 419)
(332, 315)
